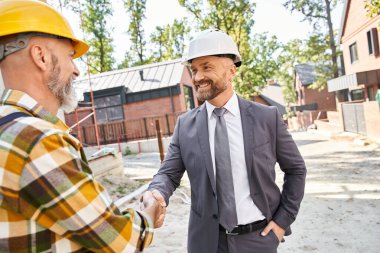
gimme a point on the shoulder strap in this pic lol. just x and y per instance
(12, 116)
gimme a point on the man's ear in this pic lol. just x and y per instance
(39, 55)
(232, 71)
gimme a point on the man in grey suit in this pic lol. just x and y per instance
(229, 147)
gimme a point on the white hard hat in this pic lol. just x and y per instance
(213, 42)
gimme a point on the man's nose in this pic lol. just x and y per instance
(198, 76)
(76, 71)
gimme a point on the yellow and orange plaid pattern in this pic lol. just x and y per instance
(49, 200)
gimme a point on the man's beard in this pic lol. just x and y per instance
(212, 90)
(62, 89)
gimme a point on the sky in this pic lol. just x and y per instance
(270, 16)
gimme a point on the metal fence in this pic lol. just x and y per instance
(127, 130)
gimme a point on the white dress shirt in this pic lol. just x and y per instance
(246, 210)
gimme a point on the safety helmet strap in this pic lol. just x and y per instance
(22, 42)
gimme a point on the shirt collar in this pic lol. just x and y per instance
(232, 106)
(26, 102)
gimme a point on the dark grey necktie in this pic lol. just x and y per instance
(224, 181)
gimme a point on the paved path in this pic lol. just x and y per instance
(340, 212)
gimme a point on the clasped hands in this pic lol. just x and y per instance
(153, 204)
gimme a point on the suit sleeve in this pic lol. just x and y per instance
(293, 165)
(172, 168)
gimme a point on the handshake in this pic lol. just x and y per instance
(153, 204)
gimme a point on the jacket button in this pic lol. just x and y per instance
(215, 216)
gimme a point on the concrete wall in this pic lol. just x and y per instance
(141, 146)
(110, 164)
(372, 118)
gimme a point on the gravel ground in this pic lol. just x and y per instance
(340, 211)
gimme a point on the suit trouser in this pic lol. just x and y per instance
(248, 243)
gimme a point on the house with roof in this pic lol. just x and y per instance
(272, 95)
(127, 101)
(312, 103)
(355, 90)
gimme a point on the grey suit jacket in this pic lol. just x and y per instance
(266, 141)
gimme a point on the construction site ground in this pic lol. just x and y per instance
(340, 212)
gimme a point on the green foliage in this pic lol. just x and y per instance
(136, 11)
(98, 35)
(316, 11)
(94, 15)
(236, 19)
(258, 66)
(127, 151)
(318, 52)
(292, 53)
(373, 7)
(169, 40)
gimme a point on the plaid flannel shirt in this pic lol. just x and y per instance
(49, 200)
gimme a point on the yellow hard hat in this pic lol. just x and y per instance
(21, 16)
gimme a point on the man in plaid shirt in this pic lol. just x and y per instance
(49, 200)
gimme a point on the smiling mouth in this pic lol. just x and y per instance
(203, 85)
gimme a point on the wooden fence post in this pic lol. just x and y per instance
(159, 140)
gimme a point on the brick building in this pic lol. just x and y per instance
(272, 95)
(357, 109)
(128, 101)
(311, 103)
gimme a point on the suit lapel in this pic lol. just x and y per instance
(203, 138)
(248, 125)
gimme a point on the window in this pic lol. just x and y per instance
(354, 52)
(373, 42)
(370, 44)
(371, 93)
(189, 98)
(357, 94)
(109, 109)
(342, 95)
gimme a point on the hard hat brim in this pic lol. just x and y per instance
(80, 47)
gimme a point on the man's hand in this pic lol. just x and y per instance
(153, 203)
(277, 230)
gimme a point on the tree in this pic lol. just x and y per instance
(292, 53)
(136, 10)
(94, 15)
(169, 40)
(95, 26)
(373, 7)
(236, 19)
(259, 66)
(314, 12)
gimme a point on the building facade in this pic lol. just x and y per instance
(312, 103)
(128, 101)
(357, 109)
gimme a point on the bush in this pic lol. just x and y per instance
(127, 151)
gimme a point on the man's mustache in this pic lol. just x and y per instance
(203, 82)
